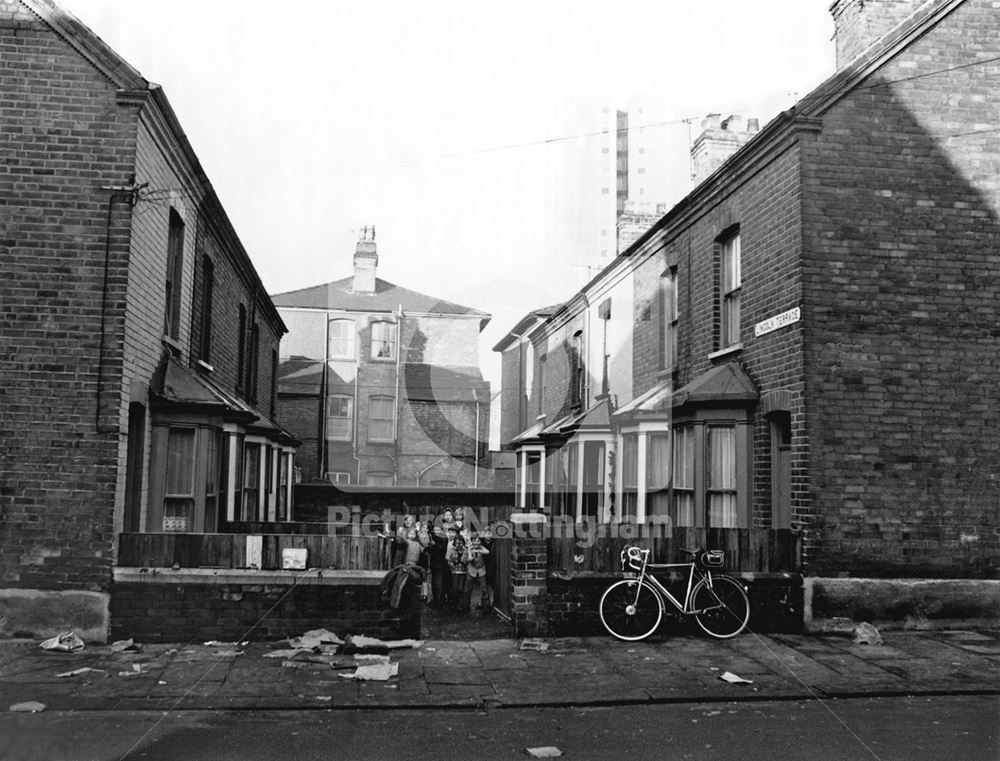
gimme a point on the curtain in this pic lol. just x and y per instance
(683, 477)
(658, 474)
(722, 477)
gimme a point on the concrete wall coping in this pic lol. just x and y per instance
(314, 576)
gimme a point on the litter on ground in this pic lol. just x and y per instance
(377, 672)
(31, 706)
(545, 751)
(76, 672)
(370, 659)
(125, 646)
(866, 634)
(730, 677)
(533, 644)
(324, 636)
(67, 642)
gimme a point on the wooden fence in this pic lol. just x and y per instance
(758, 550)
(230, 551)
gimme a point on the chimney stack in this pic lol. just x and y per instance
(861, 23)
(719, 139)
(365, 262)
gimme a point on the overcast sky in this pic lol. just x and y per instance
(441, 123)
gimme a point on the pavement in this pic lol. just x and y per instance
(504, 672)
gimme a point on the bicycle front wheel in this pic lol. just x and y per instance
(630, 610)
(723, 606)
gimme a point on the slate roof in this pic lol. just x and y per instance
(174, 385)
(388, 297)
(725, 383)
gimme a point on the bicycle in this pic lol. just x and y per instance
(631, 609)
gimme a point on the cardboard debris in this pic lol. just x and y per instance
(67, 642)
(287, 653)
(137, 670)
(398, 644)
(325, 637)
(533, 644)
(376, 672)
(866, 634)
(218, 643)
(305, 642)
(370, 659)
(125, 646)
(730, 677)
(545, 751)
(31, 706)
(77, 672)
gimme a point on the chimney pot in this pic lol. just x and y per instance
(365, 262)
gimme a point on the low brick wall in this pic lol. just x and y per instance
(776, 604)
(162, 605)
(834, 604)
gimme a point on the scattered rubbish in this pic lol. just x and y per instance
(217, 643)
(368, 658)
(324, 697)
(376, 672)
(31, 706)
(730, 677)
(67, 642)
(533, 644)
(866, 634)
(325, 637)
(137, 670)
(304, 642)
(287, 653)
(171, 651)
(125, 646)
(160, 681)
(398, 644)
(224, 653)
(545, 751)
(294, 664)
(362, 644)
(76, 672)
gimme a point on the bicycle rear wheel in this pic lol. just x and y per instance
(724, 606)
(630, 610)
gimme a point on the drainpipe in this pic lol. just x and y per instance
(475, 472)
(354, 444)
(395, 421)
(324, 464)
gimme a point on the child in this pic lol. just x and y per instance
(458, 561)
(476, 570)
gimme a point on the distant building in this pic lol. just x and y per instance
(139, 347)
(382, 384)
(813, 332)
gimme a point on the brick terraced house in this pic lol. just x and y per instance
(382, 384)
(139, 348)
(814, 331)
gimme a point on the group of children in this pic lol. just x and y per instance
(452, 553)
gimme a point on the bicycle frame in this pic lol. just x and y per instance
(665, 593)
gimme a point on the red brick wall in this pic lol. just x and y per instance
(64, 139)
(766, 209)
(903, 329)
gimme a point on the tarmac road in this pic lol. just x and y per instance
(922, 728)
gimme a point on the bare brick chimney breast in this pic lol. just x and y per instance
(365, 262)
(860, 23)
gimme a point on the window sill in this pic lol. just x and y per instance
(172, 344)
(202, 365)
(669, 373)
(729, 351)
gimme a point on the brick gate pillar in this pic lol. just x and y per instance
(529, 575)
